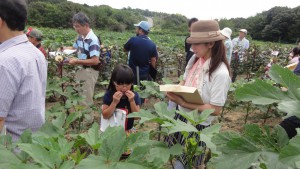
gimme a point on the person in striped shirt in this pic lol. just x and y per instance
(88, 52)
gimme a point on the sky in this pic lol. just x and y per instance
(208, 9)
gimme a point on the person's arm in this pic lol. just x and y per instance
(134, 107)
(2, 120)
(69, 47)
(153, 61)
(127, 45)
(87, 62)
(247, 45)
(108, 110)
(177, 99)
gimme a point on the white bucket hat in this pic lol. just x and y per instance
(226, 32)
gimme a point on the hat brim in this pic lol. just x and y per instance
(225, 34)
(193, 40)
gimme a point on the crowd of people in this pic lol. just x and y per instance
(23, 79)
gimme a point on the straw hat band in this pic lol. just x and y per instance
(205, 34)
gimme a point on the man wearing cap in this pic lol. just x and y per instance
(241, 42)
(228, 44)
(23, 75)
(143, 52)
(35, 36)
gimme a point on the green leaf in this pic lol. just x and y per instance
(99, 95)
(67, 165)
(290, 154)
(145, 115)
(291, 107)
(281, 135)
(25, 138)
(7, 157)
(259, 92)
(60, 120)
(286, 78)
(93, 136)
(95, 162)
(65, 147)
(207, 134)
(177, 149)
(230, 161)
(179, 126)
(271, 160)
(49, 130)
(72, 117)
(114, 143)
(39, 154)
(224, 137)
(137, 139)
(161, 108)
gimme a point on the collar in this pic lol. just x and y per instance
(13, 41)
(88, 36)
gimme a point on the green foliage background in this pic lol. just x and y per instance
(278, 24)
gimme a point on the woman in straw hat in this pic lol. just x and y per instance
(208, 71)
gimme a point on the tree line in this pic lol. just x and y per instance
(279, 24)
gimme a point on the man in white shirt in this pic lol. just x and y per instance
(240, 44)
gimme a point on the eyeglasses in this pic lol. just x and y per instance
(122, 85)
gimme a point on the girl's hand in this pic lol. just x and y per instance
(130, 95)
(175, 98)
(117, 96)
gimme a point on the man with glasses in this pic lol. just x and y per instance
(23, 76)
(88, 52)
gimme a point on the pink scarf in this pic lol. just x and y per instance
(194, 73)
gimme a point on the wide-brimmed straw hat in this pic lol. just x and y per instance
(205, 31)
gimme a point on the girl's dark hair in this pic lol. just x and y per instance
(122, 74)
(14, 13)
(218, 55)
(296, 51)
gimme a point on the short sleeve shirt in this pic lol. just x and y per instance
(243, 44)
(142, 49)
(229, 47)
(124, 103)
(23, 80)
(87, 46)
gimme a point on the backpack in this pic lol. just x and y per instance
(105, 54)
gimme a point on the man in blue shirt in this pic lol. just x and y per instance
(143, 52)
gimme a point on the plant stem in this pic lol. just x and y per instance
(247, 111)
(267, 113)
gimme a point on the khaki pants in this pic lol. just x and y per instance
(89, 76)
